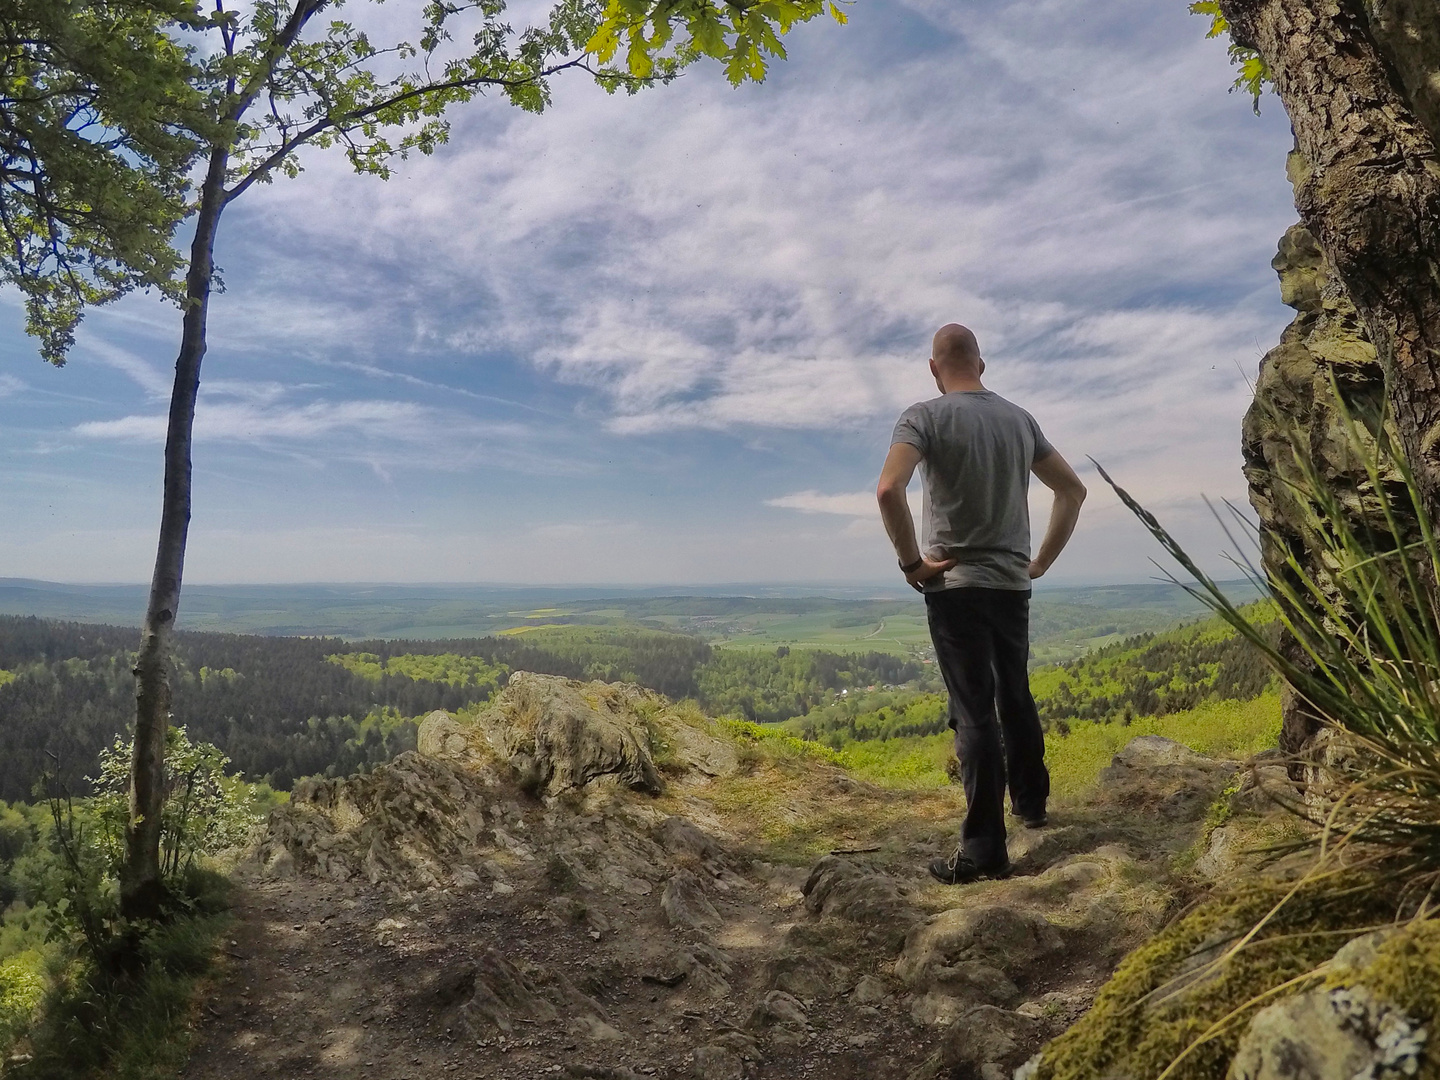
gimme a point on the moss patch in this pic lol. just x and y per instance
(1136, 1028)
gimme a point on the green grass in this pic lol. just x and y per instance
(1225, 729)
(1222, 729)
(916, 763)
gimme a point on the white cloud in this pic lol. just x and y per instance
(777, 258)
(860, 505)
(852, 503)
(646, 277)
(141, 372)
(9, 384)
(251, 423)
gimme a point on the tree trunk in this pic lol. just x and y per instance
(141, 888)
(1367, 180)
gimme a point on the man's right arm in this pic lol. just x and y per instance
(1056, 474)
(895, 477)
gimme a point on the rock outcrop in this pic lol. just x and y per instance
(585, 879)
(1294, 398)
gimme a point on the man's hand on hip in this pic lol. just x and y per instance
(1037, 570)
(928, 569)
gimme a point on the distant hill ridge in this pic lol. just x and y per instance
(457, 611)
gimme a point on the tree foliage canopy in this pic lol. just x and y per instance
(738, 34)
(98, 110)
(107, 103)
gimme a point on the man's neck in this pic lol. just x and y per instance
(961, 385)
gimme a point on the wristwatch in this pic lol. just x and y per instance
(912, 567)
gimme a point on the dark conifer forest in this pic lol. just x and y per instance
(288, 707)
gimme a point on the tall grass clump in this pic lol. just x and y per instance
(1361, 606)
(1369, 628)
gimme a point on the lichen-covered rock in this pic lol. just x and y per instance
(416, 821)
(958, 988)
(460, 811)
(1165, 776)
(1340, 1034)
(1264, 788)
(440, 735)
(1293, 393)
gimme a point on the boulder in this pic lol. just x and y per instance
(839, 888)
(1322, 1034)
(440, 735)
(985, 1044)
(941, 950)
(1222, 854)
(778, 1010)
(1264, 788)
(870, 990)
(806, 975)
(416, 821)
(1161, 776)
(681, 837)
(502, 995)
(559, 735)
(718, 1063)
(685, 904)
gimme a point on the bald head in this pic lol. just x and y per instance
(955, 358)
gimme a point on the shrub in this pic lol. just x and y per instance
(206, 812)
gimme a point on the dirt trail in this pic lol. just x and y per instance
(447, 915)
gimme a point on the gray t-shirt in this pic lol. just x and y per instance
(977, 450)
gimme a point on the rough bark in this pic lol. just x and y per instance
(141, 888)
(1408, 33)
(1367, 186)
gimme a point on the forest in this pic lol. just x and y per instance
(282, 708)
(1145, 675)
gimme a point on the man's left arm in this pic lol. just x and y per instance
(1056, 474)
(895, 477)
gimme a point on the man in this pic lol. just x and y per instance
(977, 451)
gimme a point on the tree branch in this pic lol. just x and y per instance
(346, 120)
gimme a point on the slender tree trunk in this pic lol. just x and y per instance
(141, 890)
(1367, 185)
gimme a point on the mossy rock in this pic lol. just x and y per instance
(1173, 990)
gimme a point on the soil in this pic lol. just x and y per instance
(442, 918)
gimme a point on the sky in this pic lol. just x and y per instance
(664, 338)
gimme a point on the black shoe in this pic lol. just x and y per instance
(962, 870)
(1032, 821)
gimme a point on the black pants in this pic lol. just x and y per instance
(982, 643)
